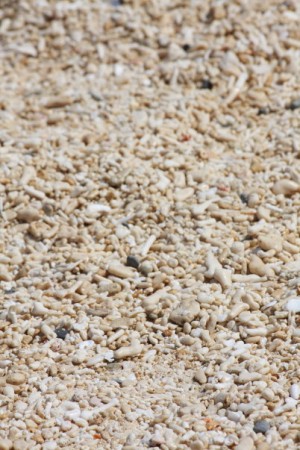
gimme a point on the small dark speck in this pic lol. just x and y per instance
(61, 333)
(263, 111)
(186, 47)
(244, 198)
(209, 16)
(206, 84)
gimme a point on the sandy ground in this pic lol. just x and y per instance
(149, 200)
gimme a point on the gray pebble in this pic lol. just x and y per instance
(295, 104)
(261, 426)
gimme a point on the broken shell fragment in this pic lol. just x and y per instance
(119, 270)
(285, 187)
(257, 267)
(186, 311)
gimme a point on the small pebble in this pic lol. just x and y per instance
(132, 261)
(61, 333)
(246, 443)
(48, 209)
(234, 416)
(253, 200)
(263, 111)
(9, 391)
(268, 394)
(295, 391)
(79, 357)
(200, 376)
(258, 267)
(270, 242)
(16, 378)
(28, 214)
(207, 84)
(186, 47)
(181, 195)
(244, 198)
(119, 270)
(223, 276)
(96, 209)
(39, 309)
(47, 331)
(293, 305)
(146, 267)
(187, 340)
(295, 104)
(4, 274)
(261, 426)
(126, 352)
(237, 248)
(285, 187)
(185, 312)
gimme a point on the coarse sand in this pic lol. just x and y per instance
(149, 209)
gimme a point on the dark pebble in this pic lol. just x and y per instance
(295, 104)
(186, 47)
(206, 84)
(10, 291)
(132, 261)
(261, 426)
(263, 111)
(244, 198)
(61, 333)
